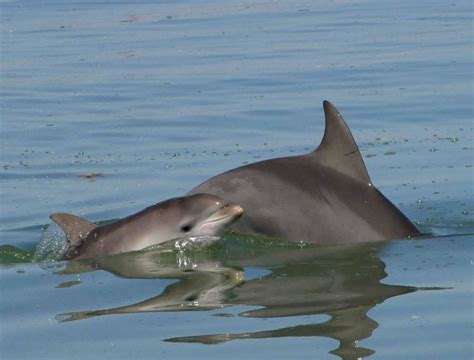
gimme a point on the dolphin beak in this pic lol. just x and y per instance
(219, 220)
(238, 210)
(231, 212)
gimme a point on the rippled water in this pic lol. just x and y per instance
(155, 97)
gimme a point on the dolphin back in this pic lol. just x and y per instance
(325, 196)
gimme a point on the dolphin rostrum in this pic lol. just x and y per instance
(188, 216)
(325, 196)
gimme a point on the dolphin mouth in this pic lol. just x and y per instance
(228, 211)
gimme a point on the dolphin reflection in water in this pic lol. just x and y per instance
(341, 282)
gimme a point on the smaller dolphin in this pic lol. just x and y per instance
(188, 216)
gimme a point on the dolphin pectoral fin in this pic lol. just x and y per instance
(73, 226)
(338, 149)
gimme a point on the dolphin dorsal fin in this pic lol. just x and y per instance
(73, 226)
(338, 149)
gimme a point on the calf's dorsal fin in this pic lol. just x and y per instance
(73, 226)
(338, 149)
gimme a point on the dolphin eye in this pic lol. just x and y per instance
(186, 227)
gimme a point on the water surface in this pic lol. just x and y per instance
(157, 97)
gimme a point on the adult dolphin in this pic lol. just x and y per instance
(188, 216)
(325, 196)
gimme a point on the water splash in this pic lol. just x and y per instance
(195, 242)
(52, 244)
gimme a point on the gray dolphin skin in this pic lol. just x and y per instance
(188, 216)
(323, 197)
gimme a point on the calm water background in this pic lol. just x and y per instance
(159, 96)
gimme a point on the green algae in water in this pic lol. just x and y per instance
(10, 254)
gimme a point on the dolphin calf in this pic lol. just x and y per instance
(189, 216)
(324, 197)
